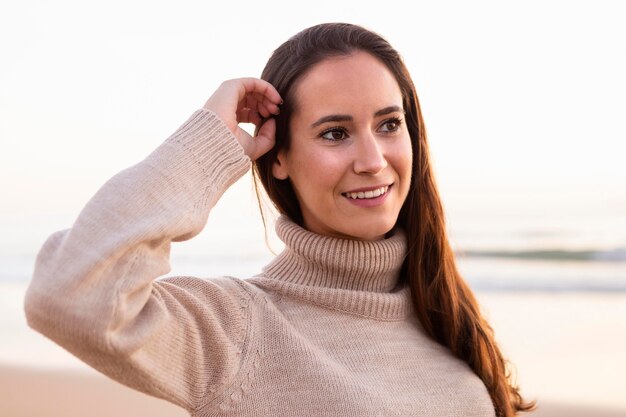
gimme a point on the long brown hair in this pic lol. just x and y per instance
(444, 303)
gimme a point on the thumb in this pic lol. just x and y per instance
(265, 138)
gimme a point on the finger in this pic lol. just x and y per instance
(256, 85)
(265, 139)
(265, 103)
(249, 116)
(261, 104)
(252, 103)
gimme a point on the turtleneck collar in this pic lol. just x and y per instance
(320, 261)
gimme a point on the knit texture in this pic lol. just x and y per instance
(327, 328)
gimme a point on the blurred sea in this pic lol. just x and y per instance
(508, 239)
(552, 240)
(503, 251)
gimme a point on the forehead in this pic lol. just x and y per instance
(358, 82)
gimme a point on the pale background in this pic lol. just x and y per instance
(519, 97)
(524, 103)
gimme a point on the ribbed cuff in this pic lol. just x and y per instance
(202, 156)
(213, 147)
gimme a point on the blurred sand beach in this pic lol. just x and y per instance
(568, 349)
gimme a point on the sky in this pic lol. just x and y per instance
(521, 100)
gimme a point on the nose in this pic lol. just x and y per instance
(369, 155)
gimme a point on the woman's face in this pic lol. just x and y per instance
(350, 153)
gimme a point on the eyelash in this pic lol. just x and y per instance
(396, 120)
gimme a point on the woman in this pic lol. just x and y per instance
(363, 313)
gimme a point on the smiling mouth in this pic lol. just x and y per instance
(364, 195)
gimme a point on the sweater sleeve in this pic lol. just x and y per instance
(94, 289)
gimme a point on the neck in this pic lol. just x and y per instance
(321, 261)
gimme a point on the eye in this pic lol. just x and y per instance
(391, 125)
(334, 134)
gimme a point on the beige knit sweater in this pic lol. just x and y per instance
(325, 330)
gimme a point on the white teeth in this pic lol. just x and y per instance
(368, 194)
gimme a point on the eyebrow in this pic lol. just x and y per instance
(348, 118)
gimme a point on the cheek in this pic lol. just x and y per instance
(315, 170)
(403, 161)
(408, 159)
(401, 150)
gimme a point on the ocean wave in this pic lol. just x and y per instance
(611, 255)
(550, 286)
(506, 271)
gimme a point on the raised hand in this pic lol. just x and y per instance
(248, 100)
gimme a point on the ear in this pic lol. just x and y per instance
(279, 169)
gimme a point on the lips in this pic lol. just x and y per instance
(364, 194)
